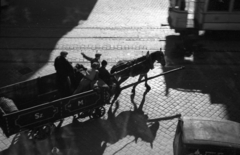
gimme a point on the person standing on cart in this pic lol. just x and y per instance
(64, 72)
(92, 60)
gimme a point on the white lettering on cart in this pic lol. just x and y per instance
(80, 103)
(38, 115)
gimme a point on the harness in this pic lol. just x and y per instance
(131, 64)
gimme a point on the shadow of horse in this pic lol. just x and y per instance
(133, 123)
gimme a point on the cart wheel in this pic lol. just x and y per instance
(97, 112)
(43, 131)
(84, 114)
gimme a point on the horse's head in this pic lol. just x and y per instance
(159, 57)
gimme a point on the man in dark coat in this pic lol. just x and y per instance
(64, 72)
(104, 73)
(92, 60)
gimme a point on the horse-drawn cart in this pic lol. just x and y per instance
(36, 105)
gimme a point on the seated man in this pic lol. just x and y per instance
(79, 69)
(90, 77)
(104, 73)
(105, 78)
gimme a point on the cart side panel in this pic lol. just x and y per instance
(25, 93)
(31, 118)
(85, 101)
(21, 93)
(36, 116)
(47, 83)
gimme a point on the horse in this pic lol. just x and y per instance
(140, 66)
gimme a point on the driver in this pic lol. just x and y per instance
(92, 60)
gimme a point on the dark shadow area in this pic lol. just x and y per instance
(90, 137)
(43, 13)
(212, 72)
(221, 35)
(30, 30)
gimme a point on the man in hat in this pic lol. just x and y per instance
(90, 77)
(64, 71)
(92, 60)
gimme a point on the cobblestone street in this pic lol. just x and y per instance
(207, 87)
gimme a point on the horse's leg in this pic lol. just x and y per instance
(117, 93)
(111, 113)
(139, 79)
(146, 84)
(132, 100)
(116, 78)
(143, 100)
(122, 80)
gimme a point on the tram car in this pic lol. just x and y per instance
(36, 105)
(193, 15)
(205, 136)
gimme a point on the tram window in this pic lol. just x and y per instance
(179, 4)
(236, 5)
(218, 5)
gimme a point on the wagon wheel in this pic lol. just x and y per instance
(43, 131)
(84, 114)
(97, 112)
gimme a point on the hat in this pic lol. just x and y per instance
(64, 53)
(98, 54)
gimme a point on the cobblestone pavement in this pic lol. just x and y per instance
(207, 87)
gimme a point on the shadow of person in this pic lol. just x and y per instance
(27, 143)
(81, 138)
(23, 145)
(77, 138)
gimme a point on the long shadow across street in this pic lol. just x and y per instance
(208, 71)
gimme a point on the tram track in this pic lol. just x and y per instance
(93, 37)
(164, 26)
(132, 33)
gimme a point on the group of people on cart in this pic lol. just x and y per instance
(68, 76)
